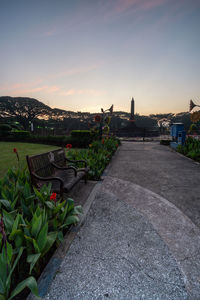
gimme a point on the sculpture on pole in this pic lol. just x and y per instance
(103, 121)
(195, 116)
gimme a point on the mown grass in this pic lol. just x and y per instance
(8, 158)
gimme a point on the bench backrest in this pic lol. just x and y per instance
(58, 157)
(40, 165)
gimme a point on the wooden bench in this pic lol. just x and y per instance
(53, 167)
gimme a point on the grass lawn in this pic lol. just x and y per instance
(8, 158)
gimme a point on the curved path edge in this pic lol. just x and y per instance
(178, 232)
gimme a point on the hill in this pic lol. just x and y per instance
(26, 110)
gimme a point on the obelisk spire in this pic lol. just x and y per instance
(132, 118)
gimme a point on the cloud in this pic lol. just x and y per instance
(28, 88)
(121, 7)
(87, 15)
(46, 88)
(49, 33)
(77, 70)
(86, 92)
(17, 85)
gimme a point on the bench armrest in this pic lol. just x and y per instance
(50, 178)
(64, 168)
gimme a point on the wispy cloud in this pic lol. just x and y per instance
(91, 92)
(45, 88)
(76, 70)
(28, 88)
(20, 89)
(50, 33)
(123, 7)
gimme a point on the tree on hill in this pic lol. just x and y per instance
(22, 109)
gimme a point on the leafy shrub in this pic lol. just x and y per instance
(20, 134)
(59, 140)
(165, 142)
(5, 129)
(193, 128)
(97, 156)
(32, 222)
(81, 133)
(191, 148)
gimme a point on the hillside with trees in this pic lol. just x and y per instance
(25, 110)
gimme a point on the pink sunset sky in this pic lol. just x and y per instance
(84, 55)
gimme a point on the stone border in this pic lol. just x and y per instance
(182, 155)
(52, 268)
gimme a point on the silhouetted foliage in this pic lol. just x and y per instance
(24, 110)
(61, 122)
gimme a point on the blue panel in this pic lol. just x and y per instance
(175, 128)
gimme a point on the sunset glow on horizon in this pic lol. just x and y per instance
(84, 55)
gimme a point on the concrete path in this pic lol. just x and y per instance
(140, 239)
(162, 171)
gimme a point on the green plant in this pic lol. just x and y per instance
(20, 133)
(191, 148)
(165, 142)
(16, 188)
(39, 239)
(60, 213)
(5, 129)
(97, 156)
(80, 133)
(9, 259)
(33, 221)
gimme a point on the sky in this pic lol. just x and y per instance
(82, 55)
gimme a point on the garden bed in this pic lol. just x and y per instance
(191, 149)
(34, 223)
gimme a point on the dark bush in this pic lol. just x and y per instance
(97, 155)
(165, 142)
(20, 134)
(81, 133)
(191, 148)
(5, 129)
(80, 142)
(59, 140)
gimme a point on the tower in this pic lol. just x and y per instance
(132, 119)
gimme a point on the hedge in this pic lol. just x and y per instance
(59, 141)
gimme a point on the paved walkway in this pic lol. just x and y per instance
(141, 236)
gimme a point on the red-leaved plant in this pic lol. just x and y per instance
(69, 146)
(15, 151)
(53, 197)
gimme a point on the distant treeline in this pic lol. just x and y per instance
(21, 112)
